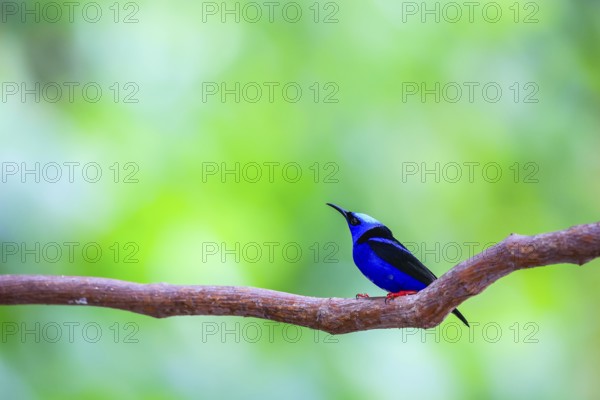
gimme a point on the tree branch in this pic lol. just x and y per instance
(426, 309)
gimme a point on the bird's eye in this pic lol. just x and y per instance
(354, 220)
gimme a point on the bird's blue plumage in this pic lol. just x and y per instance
(381, 273)
(383, 259)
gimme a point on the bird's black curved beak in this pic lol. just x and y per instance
(340, 209)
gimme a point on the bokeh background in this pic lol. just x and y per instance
(199, 180)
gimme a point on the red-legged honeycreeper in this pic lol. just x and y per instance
(384, 260)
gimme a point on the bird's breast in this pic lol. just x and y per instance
(382, 274)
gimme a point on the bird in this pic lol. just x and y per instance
(384, 260)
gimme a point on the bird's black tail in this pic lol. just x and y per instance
(460, 316)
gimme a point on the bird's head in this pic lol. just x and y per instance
(357, 222)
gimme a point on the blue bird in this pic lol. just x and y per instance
(384, 260)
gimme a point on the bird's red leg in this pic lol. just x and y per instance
(362, 296)
(391, 296)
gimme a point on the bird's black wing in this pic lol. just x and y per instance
(402, 259)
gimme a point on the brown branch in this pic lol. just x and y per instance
(578, 245)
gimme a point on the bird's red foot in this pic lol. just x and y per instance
(362, 296)
(391, 296)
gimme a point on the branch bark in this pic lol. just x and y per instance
(426, 309)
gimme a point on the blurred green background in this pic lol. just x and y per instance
(371, 104)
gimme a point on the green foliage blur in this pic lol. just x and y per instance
(221, 129)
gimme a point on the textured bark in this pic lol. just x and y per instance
(426, 309)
